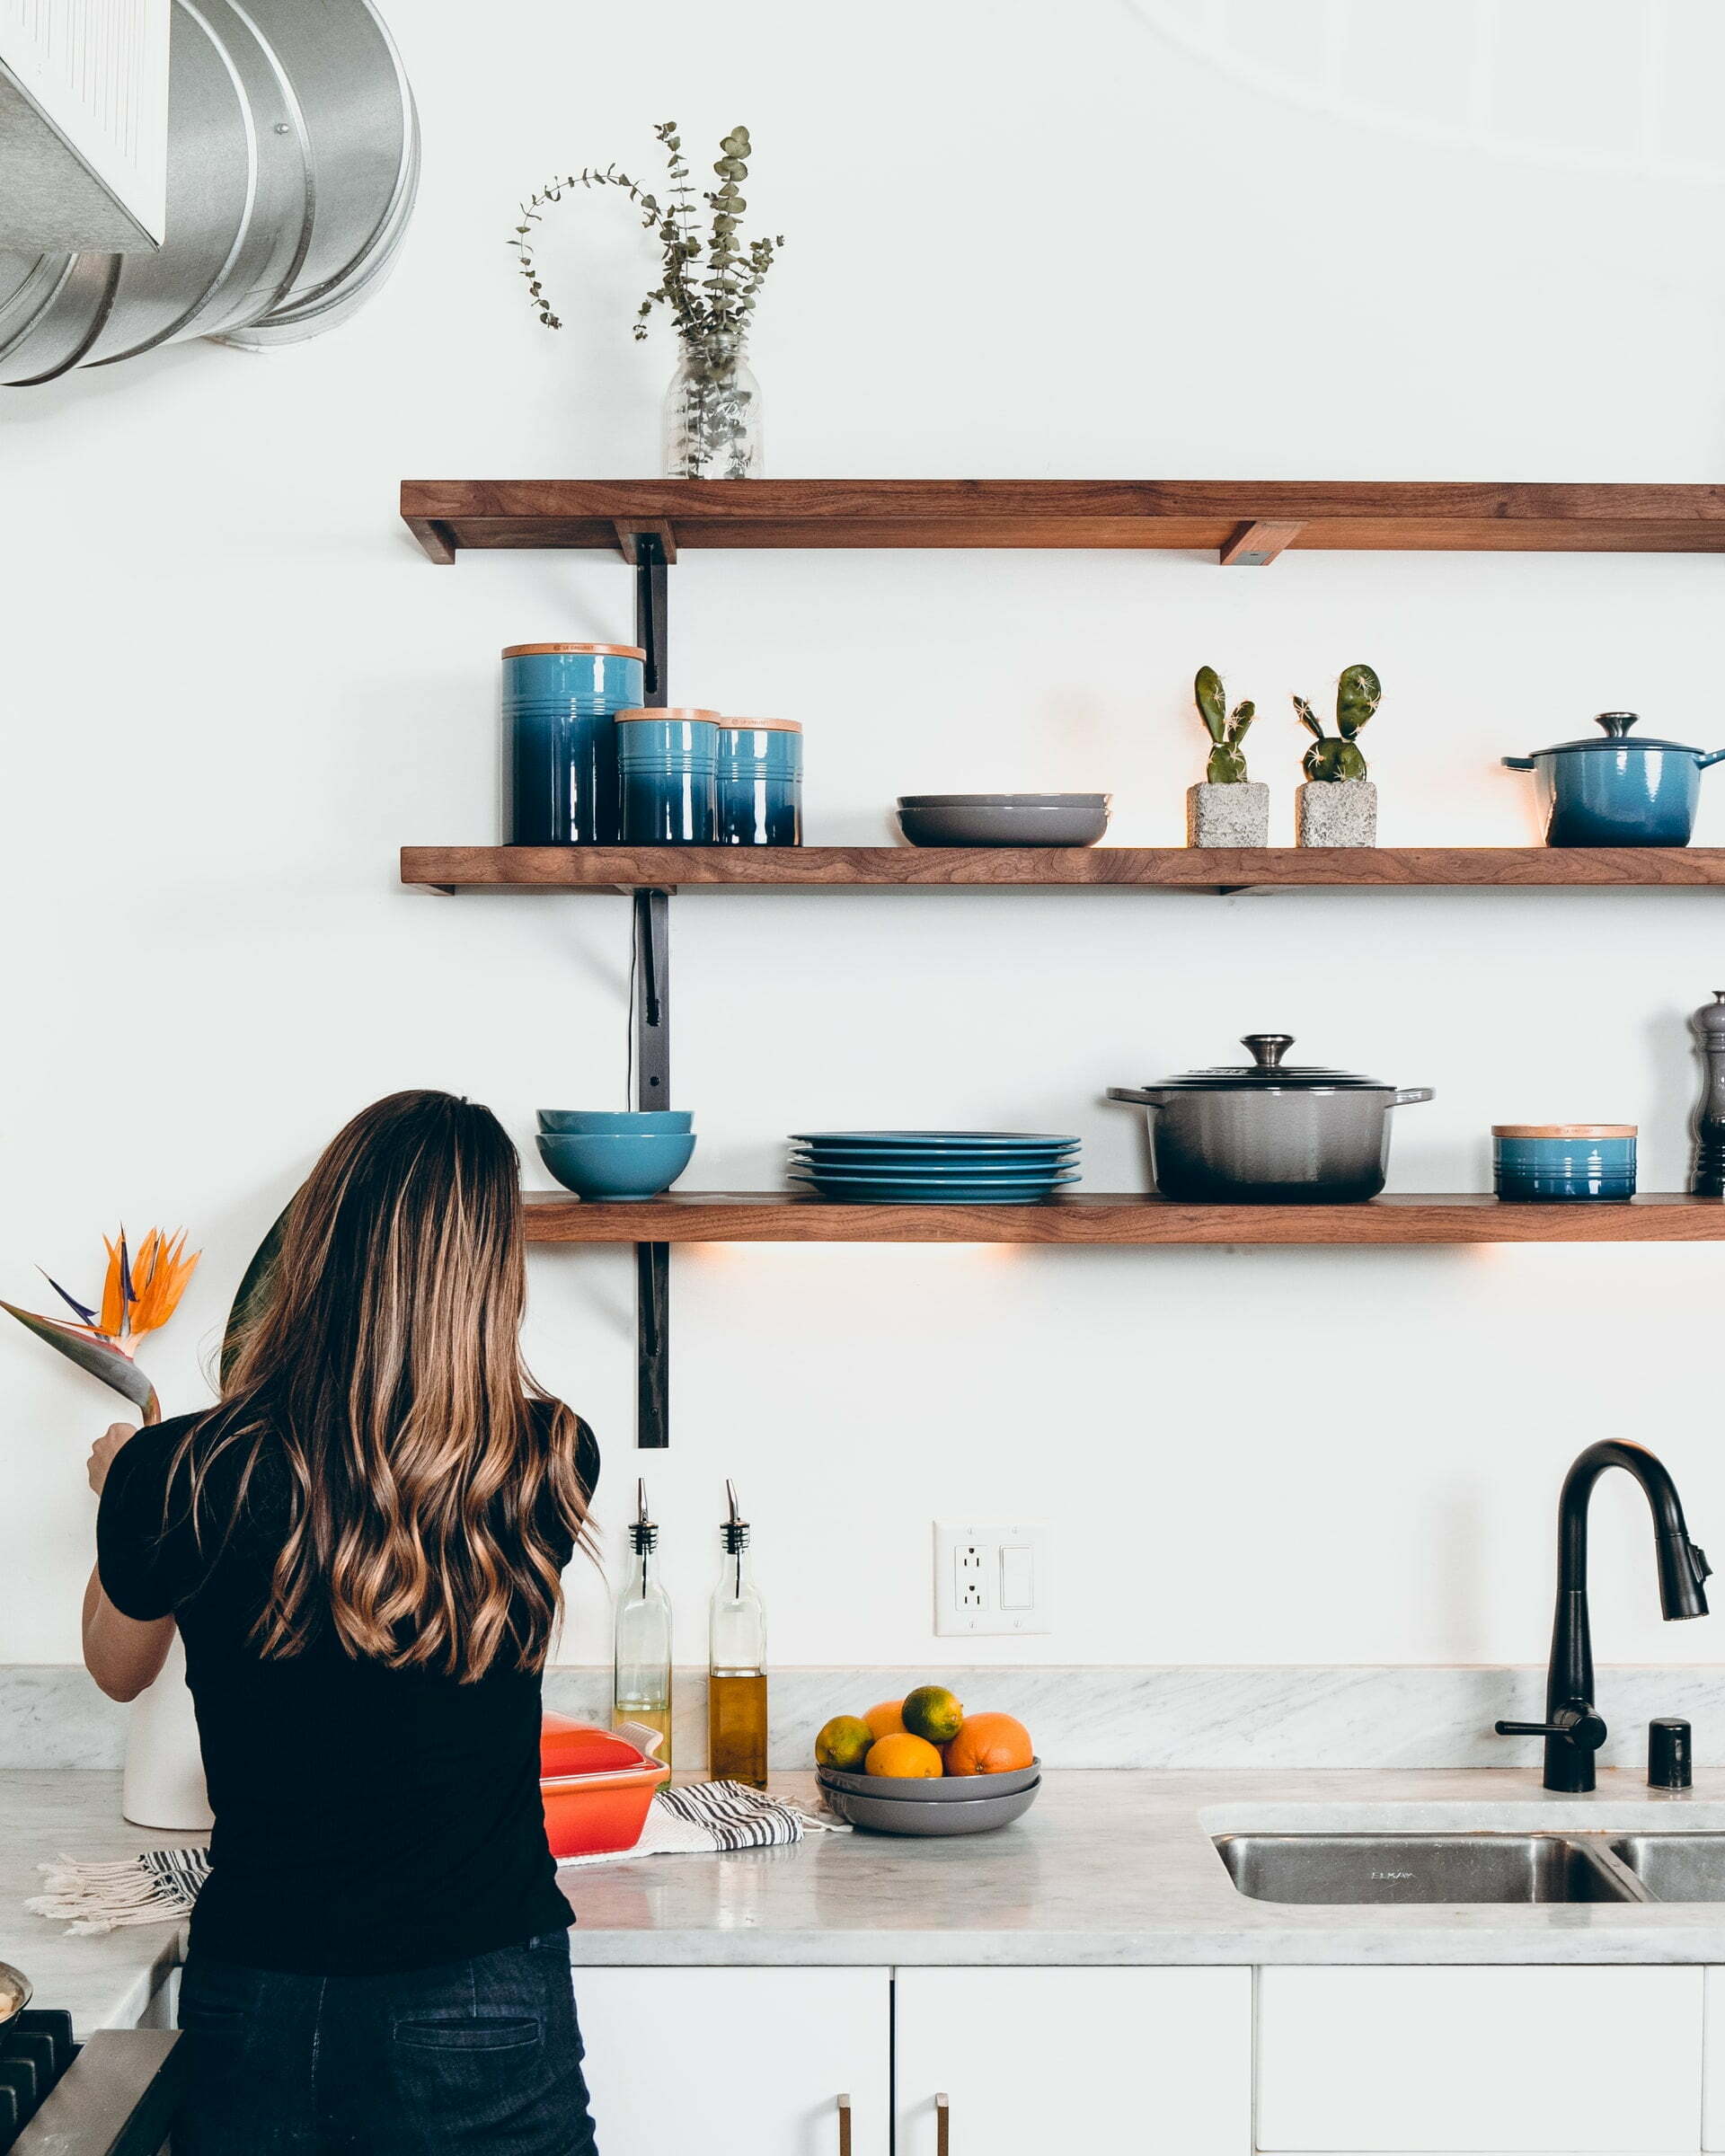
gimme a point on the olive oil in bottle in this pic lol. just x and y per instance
(640, 1684)
(736, 1662)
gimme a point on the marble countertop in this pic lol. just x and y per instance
(1107, 1868)
(1118, 1867)
(104, 1983)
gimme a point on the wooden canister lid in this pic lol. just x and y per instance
(671, 711)
(597, 650)
(765, 726)
(1564, 1130)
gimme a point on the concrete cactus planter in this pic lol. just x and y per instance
(1228, 816)
(1337, 812)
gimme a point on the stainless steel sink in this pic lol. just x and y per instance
(1675, 1868)
(1433, 1867)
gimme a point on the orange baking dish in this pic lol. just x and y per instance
(596, 1786)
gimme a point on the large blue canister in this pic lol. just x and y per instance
(758, 792)
(560, 705)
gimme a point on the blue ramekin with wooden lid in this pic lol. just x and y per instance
(1542, 1162)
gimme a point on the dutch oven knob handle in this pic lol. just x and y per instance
(1616, 723)
(1267, 1049)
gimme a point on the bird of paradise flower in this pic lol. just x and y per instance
(138, 1296)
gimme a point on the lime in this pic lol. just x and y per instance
(930, 1711)
(844, 1743)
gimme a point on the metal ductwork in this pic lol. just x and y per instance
(292, 159)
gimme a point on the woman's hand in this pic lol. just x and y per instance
(101, 1453)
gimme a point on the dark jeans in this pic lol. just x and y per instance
(482, 2055)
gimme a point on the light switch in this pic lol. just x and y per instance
(1017, 1576)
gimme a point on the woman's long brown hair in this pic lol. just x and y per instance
(431, 1483)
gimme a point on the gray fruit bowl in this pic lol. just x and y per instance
(945, 1788)
(1004, 820)
(903, 1815)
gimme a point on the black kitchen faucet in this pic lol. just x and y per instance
(1572, 1728)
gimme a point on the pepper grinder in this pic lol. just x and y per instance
(1708, 1178)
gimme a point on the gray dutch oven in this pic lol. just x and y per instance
(1270, 1133)
(1608, 791)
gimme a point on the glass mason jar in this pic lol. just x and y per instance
(713, 413)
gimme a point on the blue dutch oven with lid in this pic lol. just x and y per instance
(1609, 791)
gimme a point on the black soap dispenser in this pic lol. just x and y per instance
(1670, 1754)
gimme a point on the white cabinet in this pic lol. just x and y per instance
(737, 2061)
(1037, 2061)
(1456, 2059)
(1712, 2079)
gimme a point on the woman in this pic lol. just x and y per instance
(362, 1546)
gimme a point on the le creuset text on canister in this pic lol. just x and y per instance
(759, 788)
(1540, 1161)
(1270, 1133)
(667, 761)
(1608, 791)
(560, 705)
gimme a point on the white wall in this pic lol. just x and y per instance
(1108, 237)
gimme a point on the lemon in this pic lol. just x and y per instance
(844, 1743)
(930, 1711)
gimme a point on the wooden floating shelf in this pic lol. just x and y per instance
(1078, 868)
(1244, 522)
(1117, 1218)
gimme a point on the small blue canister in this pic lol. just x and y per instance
(667, 762)
(559, 704)
(759, 791)
(1563, 1159)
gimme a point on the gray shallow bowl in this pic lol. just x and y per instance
(1079, 822)
(905, 1816)
(961, 1789)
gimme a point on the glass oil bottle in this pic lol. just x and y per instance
(641, 1681)
(736, 1662)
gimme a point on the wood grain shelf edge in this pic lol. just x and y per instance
(1119, 1219)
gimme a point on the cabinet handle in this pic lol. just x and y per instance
(942, 2124)
(843, 2126)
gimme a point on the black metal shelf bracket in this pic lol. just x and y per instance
(649, 1021)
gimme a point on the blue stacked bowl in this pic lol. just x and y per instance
(625, 1154)
(1547, 1160)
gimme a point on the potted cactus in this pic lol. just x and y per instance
(1338, 804)
(1227, 809)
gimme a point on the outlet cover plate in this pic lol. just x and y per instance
(992, 1576)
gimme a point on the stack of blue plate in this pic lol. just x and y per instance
(934, 1166)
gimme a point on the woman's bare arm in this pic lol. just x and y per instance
(123, 1655)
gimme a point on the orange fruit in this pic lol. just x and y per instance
(933, 1712)
(886, 1719)
(904, 1757)
(988, 1744)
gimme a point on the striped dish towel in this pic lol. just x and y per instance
(153, 1888)
(704, 1817)
(159, 1886)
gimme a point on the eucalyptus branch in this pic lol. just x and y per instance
(703, 307)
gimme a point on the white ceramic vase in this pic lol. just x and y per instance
(164, 1784)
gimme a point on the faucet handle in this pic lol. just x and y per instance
(1578, 1727)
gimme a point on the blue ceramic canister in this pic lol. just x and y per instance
(560, 705)
(1609, 791)
(759, 789)
(667, 762)
(1563, 1159)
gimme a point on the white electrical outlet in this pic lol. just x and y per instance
(992, 1576)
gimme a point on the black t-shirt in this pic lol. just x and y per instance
(367, 1819)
